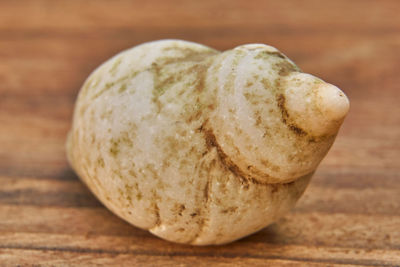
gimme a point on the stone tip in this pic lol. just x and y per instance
(317, 107)
(333, 102)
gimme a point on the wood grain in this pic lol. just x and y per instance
(349, 215)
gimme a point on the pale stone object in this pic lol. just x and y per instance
(200, 146)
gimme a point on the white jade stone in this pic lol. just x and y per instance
(200, 146)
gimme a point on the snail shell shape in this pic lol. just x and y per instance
(200, 146)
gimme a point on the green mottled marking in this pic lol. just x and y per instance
(100, 162)
(249, 83)
(122, 88)
(132, 173)
(118, 173)
(230, 81)
(128, 192)
(285, 67)
(318, 81)
(229, 210)
(120, 192)
(87, 86)
(114, 149)
(128, 188)
(82, 110)
(114, 67)
(161, 86)
(268, 54)
(129, 198)
(106, 114)
(253, 98)
(98, 79)
(166, 70)
(126, 139)
(110, 85)
(188, 54)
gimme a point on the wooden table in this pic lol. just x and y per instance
(350, 214)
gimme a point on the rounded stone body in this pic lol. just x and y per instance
(199, 146)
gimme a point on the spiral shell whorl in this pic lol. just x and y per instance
(194, 144)
(259, 133)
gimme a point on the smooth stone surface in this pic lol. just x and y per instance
(199, 146)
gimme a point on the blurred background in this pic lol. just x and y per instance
(349, 214)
